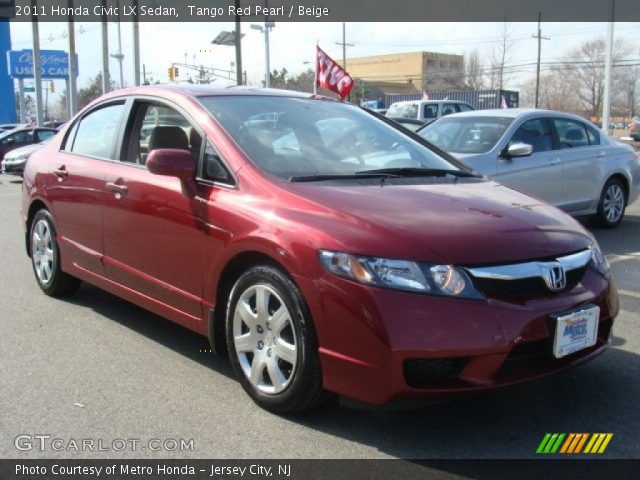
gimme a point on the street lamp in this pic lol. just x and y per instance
(268, 26)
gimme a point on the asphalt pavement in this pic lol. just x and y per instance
(97, 367)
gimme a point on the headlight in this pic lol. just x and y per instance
(599, 261)
(432, 279)
(19, 158)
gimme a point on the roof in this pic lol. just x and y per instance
(419, 100)
(511, 113)
(194, 90)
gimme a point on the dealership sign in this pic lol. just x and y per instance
(54, 63)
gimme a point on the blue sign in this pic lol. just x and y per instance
(55, 63)
(7, 100)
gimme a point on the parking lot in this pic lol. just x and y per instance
(95, 366)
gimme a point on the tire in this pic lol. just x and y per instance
(612, 204)
(45, 258)
(276, 376)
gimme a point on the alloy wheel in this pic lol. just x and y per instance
(265, 340)
(42, 251)
(613, 203)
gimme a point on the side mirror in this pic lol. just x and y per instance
(11, 141)
(172, 162)
(518, 149)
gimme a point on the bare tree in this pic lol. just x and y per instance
(583, 70)
(473, 71)
(500, 54)
(576, 83)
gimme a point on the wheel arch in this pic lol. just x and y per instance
(34, 207)
(625, 184)
(233, 268)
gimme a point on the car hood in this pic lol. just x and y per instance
(27, 149)
(459, 223)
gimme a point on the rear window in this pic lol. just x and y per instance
(94, 135)
(571, 133)
(405, 110)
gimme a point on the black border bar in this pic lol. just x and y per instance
(118, 469)
(328, 10)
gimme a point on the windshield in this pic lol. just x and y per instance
(466, 134)
(292, 137)
(405, 110)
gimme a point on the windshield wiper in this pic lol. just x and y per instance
(418, 172)
(342, 176)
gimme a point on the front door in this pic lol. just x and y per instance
(153, 239)
(539, 174)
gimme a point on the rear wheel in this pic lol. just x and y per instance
(612, 204)
(45, 258)
(272, 342)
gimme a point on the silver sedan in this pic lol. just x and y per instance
(558, 157)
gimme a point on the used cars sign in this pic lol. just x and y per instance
(55, 63)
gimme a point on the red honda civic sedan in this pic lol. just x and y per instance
(322, 247)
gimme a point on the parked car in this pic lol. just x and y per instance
(357, 260)
(14, 161)
(634, 129)
(560, 158)
(426, 111)
(25, 136)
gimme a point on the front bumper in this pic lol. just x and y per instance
(380, 345)
(16, 168)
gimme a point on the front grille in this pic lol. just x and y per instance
(531, 287)
(417, 371)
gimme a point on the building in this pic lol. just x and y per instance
(409, 72)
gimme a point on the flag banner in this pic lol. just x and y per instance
(331, 76)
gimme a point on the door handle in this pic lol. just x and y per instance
(61, 172)
(601, 154)
(553, 162)
(117, 188)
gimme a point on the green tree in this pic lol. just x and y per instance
(93, 90)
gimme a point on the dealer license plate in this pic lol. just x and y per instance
(575, 331)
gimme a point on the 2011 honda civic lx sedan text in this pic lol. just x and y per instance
(323, 248)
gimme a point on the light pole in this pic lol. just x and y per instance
(268, 26)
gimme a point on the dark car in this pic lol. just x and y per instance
(26, 136)
(634, 129)
(357, 260)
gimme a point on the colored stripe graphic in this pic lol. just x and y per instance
(573, 443)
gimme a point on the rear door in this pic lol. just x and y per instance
(583, 162)
(75, 185)
(153, 239)
(539, 174)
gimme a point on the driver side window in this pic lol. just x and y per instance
(159, 126)
(535, 132)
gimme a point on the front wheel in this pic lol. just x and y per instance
(612, 204)
(45, 258)
(272, 341)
